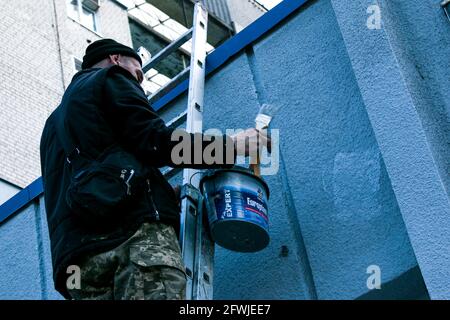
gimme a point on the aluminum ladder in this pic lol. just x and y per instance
(196, 245)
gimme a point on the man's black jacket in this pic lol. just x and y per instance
(103, 107)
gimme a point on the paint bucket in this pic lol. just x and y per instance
(236, 203)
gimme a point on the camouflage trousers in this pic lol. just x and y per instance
(148, 266)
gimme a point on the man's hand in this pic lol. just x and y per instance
(251, 141)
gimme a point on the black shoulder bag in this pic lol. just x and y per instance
(99, 187)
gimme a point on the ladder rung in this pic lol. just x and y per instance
(172, 47)
(178, 120)
(170, 85)
(171, 172)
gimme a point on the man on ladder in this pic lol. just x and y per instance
(132, 252)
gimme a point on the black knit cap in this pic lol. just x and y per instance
(101, 49)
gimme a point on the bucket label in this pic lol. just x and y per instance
(241, 204)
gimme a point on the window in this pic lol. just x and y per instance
(81, 11)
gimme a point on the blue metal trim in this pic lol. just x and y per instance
(21, 199)
(240, 41)
(214, 60)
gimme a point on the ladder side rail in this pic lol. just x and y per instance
(191, 213)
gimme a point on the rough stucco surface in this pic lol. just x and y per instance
(20, 267)
(26, 269)
(358, 182)
(404, 134)
(421, 44)
(343, 197)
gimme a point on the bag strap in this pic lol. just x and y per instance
(71, 150)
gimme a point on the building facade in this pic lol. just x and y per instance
(360, 203)
(39, 41)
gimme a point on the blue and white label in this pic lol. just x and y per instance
(233, 203)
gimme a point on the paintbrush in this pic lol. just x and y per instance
(262, 122)
(265, 116)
